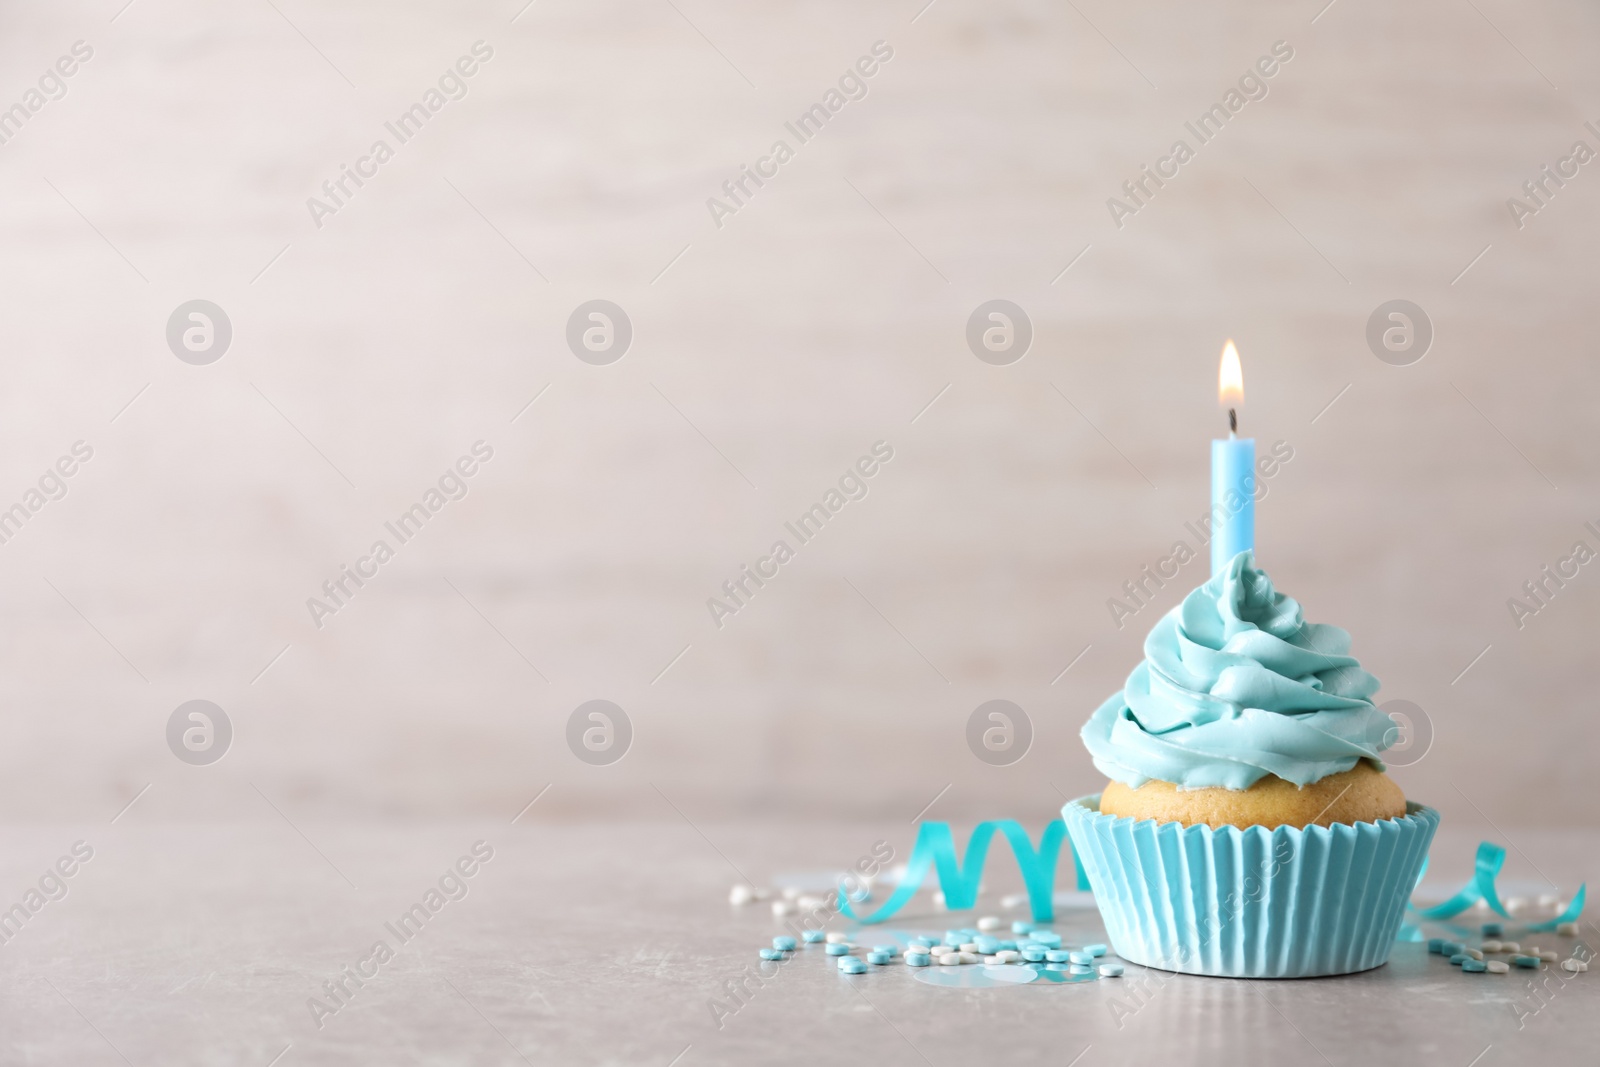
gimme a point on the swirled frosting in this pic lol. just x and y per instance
(1236, 685)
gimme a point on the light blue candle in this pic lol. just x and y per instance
(1233, 504)
(1233, 472)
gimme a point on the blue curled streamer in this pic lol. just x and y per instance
(1490, 858)
(1569, 916)
(936, 848)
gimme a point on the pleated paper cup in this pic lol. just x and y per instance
(1289, 902)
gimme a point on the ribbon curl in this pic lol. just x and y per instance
(1490, 858)
(936, 848)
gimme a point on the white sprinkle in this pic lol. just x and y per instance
(1480, 905)
(1548, 900)
(790, 892)
(968, 957)
(780, 908)
(810, 903)
(989, 922)
(1549, 955)
(1510, 946)
(741, 894)
(1516, 904)
(949, 959)
(1007, 956)
(971, 947)
(1497, 966)
(1567, 929)
(1491, 946)
(838, 937)
(938, 899)
(1013, 900)
(1473, 953)
(1571, 965)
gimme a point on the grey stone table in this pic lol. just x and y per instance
(609, 944)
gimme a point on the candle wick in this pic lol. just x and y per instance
(1233, 423)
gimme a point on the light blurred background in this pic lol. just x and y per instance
(767, 355)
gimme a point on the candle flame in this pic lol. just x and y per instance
(1230, 378)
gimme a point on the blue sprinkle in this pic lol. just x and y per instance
(879, 957)
(918, 959)
(1095, 950)
(1460, 958)
(1034, 953)
(1450, 948)
(852, 965)
(813, 937)
(784, 944)
(1493, 929)
(954, 938)
(771, 954)
(1435, 944)
(1111, 970)
(988, 945)
(835, 949)
(888, 950)
(1525, 961)
(1058, 955)
(1084, 958)
(1008, 946)
(1080, 968)
(924, 942)
(1020, 927)
(1474, 965)
(1046, 938)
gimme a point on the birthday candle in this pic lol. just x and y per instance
(1233, 461)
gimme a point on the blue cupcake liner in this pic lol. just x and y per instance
(1288, 902)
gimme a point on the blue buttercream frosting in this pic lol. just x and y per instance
(1236, 685)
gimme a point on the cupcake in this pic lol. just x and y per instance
(1249, 828)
